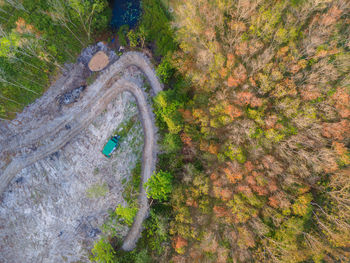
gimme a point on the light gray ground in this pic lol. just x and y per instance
(52, 211)
(44, 139)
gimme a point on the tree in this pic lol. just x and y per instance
(159, 186)
(126, 214)
(167, 105)
(165, 70)
(84, 11)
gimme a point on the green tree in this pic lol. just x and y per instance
(158, 29)
(165, 70)
(166, 109)
(84, 11)
(159, 186)
(171, 143)
(126, 214)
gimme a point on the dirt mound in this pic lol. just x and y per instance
(99, 61)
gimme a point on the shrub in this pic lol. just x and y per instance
(103, 252)
(142, 257)
(156, 232)
(133, 38)
(122, 32)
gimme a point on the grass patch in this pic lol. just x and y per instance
(131, 190)
(91, 79)
(124, 128)
(97, 190)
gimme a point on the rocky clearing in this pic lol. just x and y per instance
(53, 209)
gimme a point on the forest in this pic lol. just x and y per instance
(268, 125)
(256, 132)
(254, 122)
(36, 39)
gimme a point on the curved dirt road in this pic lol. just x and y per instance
(46, 140)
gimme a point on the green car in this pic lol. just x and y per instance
(111, 146)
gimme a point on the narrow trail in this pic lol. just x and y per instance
(43, 141)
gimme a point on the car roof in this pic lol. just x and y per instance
(109, 147)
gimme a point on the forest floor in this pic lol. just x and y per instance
(46, 127)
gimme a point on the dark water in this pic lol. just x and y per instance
(125, 12)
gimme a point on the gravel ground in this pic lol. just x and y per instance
(45, 214)
(49, 212)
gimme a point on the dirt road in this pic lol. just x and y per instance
(31, 145)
